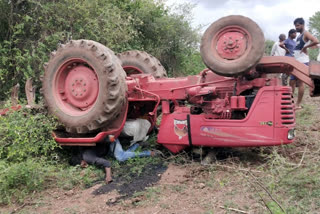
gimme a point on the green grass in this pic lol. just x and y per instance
(292, 172)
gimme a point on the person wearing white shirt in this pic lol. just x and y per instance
(276, 49)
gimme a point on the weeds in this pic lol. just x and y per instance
(24, 134)
(292, 172)
(20, 179)
(30, 159)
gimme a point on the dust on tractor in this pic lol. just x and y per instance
(232, 103)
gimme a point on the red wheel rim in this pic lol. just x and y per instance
(76, 87)
(130, 70)
(231, 43)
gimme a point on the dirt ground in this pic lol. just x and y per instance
(230, 184)
(191, 188)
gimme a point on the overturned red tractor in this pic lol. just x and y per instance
(232, 103)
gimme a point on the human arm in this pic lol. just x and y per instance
(282, 45)
(108, 178)
(309, 37)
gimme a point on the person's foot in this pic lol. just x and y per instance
(298, 107)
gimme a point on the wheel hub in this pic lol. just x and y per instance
(76, 87)
(81, 86)
(231, 43)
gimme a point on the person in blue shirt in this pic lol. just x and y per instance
(288, 45)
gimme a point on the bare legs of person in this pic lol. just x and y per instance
(300, 94)
(293, 83)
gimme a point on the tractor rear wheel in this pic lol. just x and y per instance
(84, 86)
(137, 62)
(232, 45)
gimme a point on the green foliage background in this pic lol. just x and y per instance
(31, 29)
(268, 47)
(314, 25)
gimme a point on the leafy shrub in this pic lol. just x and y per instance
(24, 135)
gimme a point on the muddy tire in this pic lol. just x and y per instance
(84, 86)
(136, 62)
(232, 45)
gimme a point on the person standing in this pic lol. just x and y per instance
(288, 45)
(304, 41)
(276, 49)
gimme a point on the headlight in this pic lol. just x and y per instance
(291, 134)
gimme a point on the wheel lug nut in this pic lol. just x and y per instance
(84, 90)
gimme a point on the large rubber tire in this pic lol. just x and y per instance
(103, 85)
(245, 55)
(135, 62)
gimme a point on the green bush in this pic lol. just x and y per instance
(30, 159)
(24, 135)
(26, 147)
